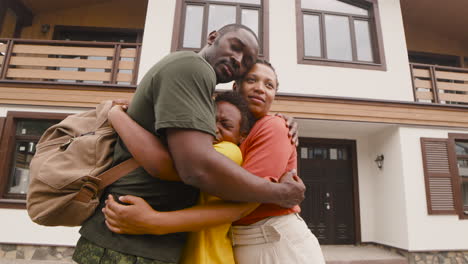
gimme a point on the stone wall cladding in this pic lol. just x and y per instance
(30, 252)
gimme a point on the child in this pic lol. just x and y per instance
(211, 244)
(233, 122)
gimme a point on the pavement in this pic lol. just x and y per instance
(334, 254)
(363, 254)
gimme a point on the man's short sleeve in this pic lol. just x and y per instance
(185, 99)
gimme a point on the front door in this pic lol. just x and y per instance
(326, 167)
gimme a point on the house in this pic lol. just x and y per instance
(378, 87)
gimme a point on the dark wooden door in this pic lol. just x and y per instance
(326, 167)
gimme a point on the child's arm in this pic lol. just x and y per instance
(139, 218)
(145, 147)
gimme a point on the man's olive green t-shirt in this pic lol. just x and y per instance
(175, 93)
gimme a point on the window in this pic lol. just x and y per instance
(446, 174)
(21, 133)
(324, 153)
(339, 33)
(195, 19)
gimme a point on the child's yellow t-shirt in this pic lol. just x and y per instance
(212, 245)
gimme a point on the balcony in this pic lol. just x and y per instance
(66, 73)
(439, 84)
(100, 64)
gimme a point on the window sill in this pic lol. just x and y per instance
(344, 64)
(12, 204)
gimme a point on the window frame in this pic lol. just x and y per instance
(457, 180)
(179, 23)
(7, 145)
(375, 31)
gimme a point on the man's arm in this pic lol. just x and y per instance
(145, 147)
(198, 164)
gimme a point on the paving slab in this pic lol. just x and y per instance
(363, 254)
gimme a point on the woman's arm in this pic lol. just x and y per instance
(138, 217)
(145, 147)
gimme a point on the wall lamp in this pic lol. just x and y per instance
(379, 161)
(45, 28)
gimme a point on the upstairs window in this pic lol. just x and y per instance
(195, 19)
(339, 33)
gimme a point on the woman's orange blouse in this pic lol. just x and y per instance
(268, 153)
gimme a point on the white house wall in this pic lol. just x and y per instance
(392, 84)
(17, 228)
(381, 192)
(389, 208)
(427, 232)
(157, 37)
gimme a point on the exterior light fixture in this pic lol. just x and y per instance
(379, 160)
(45, 28)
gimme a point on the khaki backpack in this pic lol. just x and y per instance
(71, 168)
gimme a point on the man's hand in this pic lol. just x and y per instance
(293, 128)
(112, 115)
(133, 218)
(294, 189)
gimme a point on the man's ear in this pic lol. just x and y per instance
(212, 37)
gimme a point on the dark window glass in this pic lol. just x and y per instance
(28, 133)
(32, 127)
(320, 153)
(461, 148)
(465, 197)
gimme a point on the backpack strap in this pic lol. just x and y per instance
(113, 174)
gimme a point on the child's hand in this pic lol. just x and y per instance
(133, 218)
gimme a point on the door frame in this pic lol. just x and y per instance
(352, 145)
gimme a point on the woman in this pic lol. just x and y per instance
(270, 234)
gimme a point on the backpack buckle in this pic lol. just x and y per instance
(87, 192)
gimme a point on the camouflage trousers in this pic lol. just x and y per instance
(87, 252)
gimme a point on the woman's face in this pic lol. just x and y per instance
(259, 88)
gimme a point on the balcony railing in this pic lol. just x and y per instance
(439, 84)
(69, 62)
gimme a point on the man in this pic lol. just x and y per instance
(174, 101)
